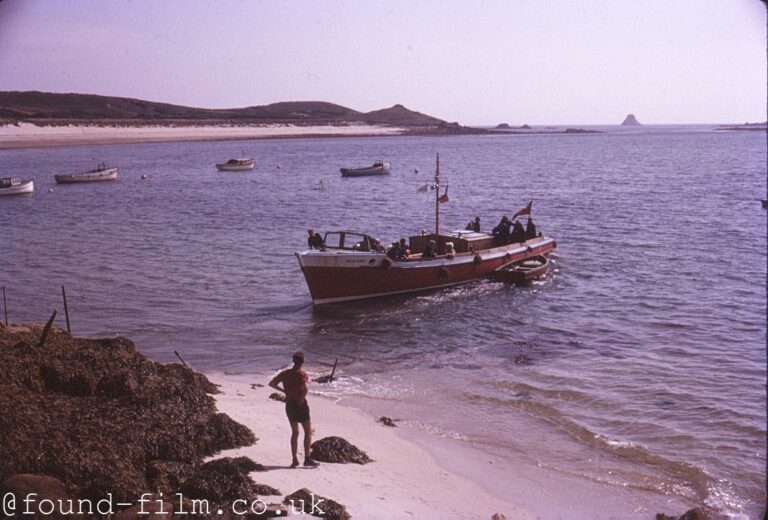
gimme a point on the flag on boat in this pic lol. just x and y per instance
(525, 211)
(443, 197)
(423, 189)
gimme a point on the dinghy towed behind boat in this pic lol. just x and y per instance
(101, 173)
(522, 271)
(350, 266)
(16, 186)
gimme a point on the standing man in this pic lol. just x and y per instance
(294, 387)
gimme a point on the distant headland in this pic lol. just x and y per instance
(631, 120)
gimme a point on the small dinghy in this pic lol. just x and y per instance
(522, 271)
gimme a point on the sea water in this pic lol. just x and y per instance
(638, 362)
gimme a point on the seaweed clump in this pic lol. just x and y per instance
(102, 418)
(338, 450)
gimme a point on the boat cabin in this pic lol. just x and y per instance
(463, 241)
(7, 182)
(348, 241)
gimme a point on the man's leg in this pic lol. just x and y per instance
(307, 425)
(294, 443)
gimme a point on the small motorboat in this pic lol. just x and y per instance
(234, 165)
(377, 168)
(16, 186)
(523, 270)
(101, 173)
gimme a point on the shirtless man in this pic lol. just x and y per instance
(294, 387)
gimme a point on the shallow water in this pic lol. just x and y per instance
(646, 342)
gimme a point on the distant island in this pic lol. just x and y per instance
(754, 127)
(630, 120)
(505, 126)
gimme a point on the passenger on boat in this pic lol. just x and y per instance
(315, 241)
(476, 225)
(450, 252)
(376, 246)
(470, 226)
(530, 229)
(501, 232)
(430, 250)
(402, 250)
(392, 251)
(518, 233)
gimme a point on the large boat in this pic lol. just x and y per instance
(351, 266)
(234, 165)
(16, 186)
(377, 168)
(101, 173)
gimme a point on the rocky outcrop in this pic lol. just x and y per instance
(338, 450)
(630, 120)
(102, 418)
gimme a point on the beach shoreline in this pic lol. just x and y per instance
(28, 135)
(416, 474)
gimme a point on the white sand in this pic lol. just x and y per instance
(416, 474)
(403, 482)
(26, 135)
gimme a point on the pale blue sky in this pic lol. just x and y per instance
(475, 62)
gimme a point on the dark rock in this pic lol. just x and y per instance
(503, 126)
(45, 487)
(277, 397)
(338, 450)
(522, 359)
(60, 417)
(630, 120)
(303, 500)
(692, 514)
(223, 480)
(386, 421)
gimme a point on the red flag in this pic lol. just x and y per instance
(525, 211)
(443, 197)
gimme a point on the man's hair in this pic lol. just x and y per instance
(298, 358)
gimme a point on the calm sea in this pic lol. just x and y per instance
(646, 344)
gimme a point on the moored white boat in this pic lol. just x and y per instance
(236, 165)
(377, 168)
(16, 186)
(349, 266)
(101, 173)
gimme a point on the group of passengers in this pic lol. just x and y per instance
(508, 232)
(399, 250)
(473, 225)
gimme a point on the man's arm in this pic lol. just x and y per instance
(276, 381)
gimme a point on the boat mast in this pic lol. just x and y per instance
(437, 198)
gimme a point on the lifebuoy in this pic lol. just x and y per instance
(386, 263)
(477, 259)
(443, 273)
(508, 256)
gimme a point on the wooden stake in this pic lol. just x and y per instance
(179, 356)
(66, 310)
(46, 330)
(334, 368)
(5, 308)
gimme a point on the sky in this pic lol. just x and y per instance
(471, 61)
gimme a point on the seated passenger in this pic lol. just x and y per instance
(501, 231)
(315, 241)
(430, 251)
(394, 251)
(450, 252)
(402, 250)
(476, 225)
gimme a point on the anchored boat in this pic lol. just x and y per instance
(522, 271)
(377, 168)
(352, 266)
(101, 173)
(233, 165)
(16, 186)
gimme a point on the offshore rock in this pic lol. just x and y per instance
(338, 450)
(630, 120)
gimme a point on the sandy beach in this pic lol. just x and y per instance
(27, 135)
(445, 481)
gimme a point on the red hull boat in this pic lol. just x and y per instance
(348, 267)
